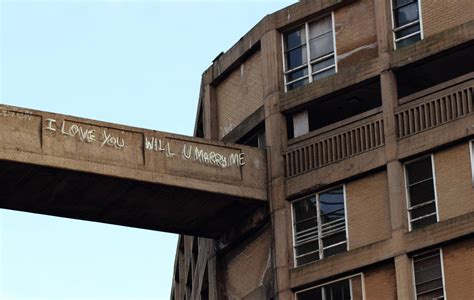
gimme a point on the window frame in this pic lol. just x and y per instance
(471, 153)
(319, 227)
(407, 192)
(362, 283)
(441, 262)
(394, 29)
(309, 63)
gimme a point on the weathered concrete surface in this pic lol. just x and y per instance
(77, 168)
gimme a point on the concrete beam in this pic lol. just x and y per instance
(77, 168)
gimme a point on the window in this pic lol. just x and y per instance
(422, 206)
(407, 28)
(255, 138)
(428, 271)
(345, 289)
(309, 53)
(319, 226)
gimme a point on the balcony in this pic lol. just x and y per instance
(435, 106)
(336, 142)
(426, 120)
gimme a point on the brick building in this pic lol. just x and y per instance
(365, 109)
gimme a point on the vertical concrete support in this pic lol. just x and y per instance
(210, 112)
(383, 21)
(275, 128)
(209, 102)
(404, 274)
(212, 273)
(395, 171)
(394, 167)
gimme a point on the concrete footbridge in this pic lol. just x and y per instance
(85, 169)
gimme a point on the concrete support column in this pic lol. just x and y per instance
(396, 184)
(275, 127)
(404, 274)
(212, 277)
(209, 101)
(395, 171)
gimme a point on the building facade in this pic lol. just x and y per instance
(366, 111)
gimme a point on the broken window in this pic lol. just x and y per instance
(428, 272)
(406, 22)
(345, 289)
(309, 53)
(422, 207)
(319, 226)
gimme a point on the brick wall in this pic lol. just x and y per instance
(240, 94)
(380, 283)
(439, 15)
(458, 262)
(453, 181)
(356, 36)
(368, 210)
(244, 268)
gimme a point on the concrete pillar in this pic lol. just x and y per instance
(275, 127)
(404, 274)
(210, 111)
(395, 171)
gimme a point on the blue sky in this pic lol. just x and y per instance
(131, 62)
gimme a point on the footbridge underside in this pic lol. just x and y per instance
(84, 169)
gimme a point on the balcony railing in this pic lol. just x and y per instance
(335, 145)
(435, 106)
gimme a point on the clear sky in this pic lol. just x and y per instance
(135, 62)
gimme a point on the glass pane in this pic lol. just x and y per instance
(297, 84)
(312, 223)
(424, 210)
(427, 260)
(331, 200)
(323, 64)
(320, 27)
(307, 259)
(438, 294)
(421, 192)
(407, 31)
(295, 38)
(424, 222)
(398, 3)
(419, 170)
(296, 74)
(295, 58)
(406, 14)
(426, 276)
(321, 46)
(332, 216)
(324, 74)
(409, 41)
(335, 250)
(429, 286)
(334, 239)
(304, 209)
(338, 291)
(313, 294)
(306, 248)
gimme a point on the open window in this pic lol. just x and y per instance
(407, 27)
(319, 226)
(421, 192)
(428, 271)
(309, 52)
(349, 288)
